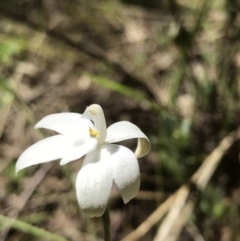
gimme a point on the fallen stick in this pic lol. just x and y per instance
(200, 178)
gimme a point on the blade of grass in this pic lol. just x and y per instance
(122, 89)
(5, 222)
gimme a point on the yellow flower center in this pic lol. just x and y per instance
(93, 133)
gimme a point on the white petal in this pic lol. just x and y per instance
(101, 153)
(46, 150)
(79, 148)
(123, 165)
(124, 130)
(93, 186)
(95, 113)
(125, 171)
(69, 124)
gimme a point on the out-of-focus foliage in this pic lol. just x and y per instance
(9, 48)
(171, 67)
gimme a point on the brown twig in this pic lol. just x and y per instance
(151, 220)
(179, 214)
(179, 203)
(27, 193)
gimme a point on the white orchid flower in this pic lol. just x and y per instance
(104, 162)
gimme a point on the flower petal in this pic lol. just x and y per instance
(46, 150)
(95, 113)
(125, 171)
(78, 148)
(69, 124)
(124, 130)
(93, 186)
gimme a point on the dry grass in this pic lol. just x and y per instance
(172, 70)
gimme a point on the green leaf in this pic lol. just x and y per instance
(6, 222)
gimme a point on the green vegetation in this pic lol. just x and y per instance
(170, 67)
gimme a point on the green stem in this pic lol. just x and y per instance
(106, 225)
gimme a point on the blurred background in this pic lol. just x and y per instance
(170, 67)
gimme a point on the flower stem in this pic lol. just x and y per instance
(106, 225)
